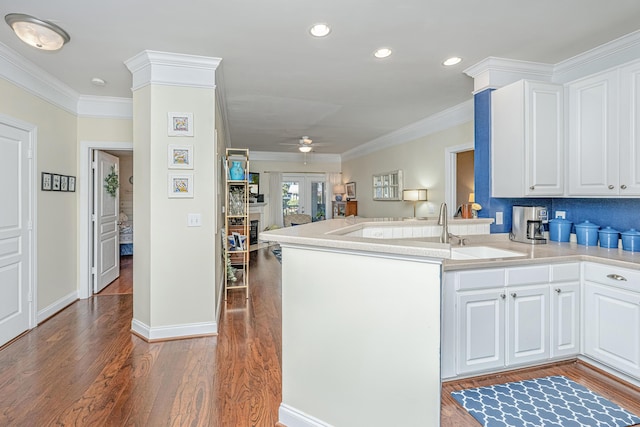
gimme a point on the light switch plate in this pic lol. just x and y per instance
(499, 218)
(194, 220)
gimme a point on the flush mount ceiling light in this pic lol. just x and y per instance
(454, 60)
(305, 148)
(97, 81)
(382, 53)
(40, 34)
(320, 30)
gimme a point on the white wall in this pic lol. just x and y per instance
(422, 162)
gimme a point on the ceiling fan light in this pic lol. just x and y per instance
(35, 32)
(304, 148)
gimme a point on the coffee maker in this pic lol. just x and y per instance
(527, 224)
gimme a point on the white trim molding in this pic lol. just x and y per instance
(57, 306)
(173, 331)
(273, 156)
(172, 69)
(456, 115)
(105, 107)
(492, 72)
(291, 417)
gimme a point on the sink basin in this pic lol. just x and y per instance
(482, 252)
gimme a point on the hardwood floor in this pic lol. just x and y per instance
(83, 367)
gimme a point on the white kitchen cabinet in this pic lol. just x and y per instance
(612, 317)
(604, 137)
(527, 140)
(565, 319)
(528, 330)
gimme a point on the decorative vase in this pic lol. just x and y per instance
(338, 197)
(237, 171)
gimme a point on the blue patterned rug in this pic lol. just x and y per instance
(278, 253)
(550, 401)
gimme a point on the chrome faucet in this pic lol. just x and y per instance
(444, 222)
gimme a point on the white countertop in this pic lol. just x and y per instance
(329, 234)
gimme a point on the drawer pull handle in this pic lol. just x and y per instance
(624, 187)
(503, 296)
(617, 277)
(514, 294)
(558, 290)
(532, 188)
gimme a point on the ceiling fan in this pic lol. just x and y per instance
(304, 144)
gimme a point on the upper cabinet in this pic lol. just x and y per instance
(527, 143)
(604, 133)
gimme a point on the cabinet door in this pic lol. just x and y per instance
(593, 137)
(612, 327)
(480, 332)
(565, 320)
(630, 130)
(528, 326)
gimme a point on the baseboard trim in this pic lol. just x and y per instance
(291, 417)
(57, 306)
(173, 332)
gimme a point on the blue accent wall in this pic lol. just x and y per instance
(621, 214)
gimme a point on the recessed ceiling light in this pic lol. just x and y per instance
(382, 52)
(97, 81)
(452, 61)
(320, 30)
(40, 34)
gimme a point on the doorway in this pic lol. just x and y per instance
(457, 193)
(304, 194)
(87, 199)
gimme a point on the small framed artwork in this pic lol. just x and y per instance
(180, 124)
(72, 184)
(46, 181)
(55, 182)
(180, 185)
(180, 156)
(350, 187)
(64, 183)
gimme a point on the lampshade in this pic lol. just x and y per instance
(41, 34)
(419, 195)
(339, 189)
(472, 197)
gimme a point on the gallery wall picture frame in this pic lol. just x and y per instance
(180, 124)
(350, 188)
(64, 183)
(46, 181)
(72, 184)
(55, 182)
(180, 186)
(180, 156)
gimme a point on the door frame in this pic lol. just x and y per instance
(86, 202)
(305, 178)
(450, 173)
(32, 188)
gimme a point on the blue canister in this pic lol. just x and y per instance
(560, 229)
(608, 237)
(631, 240)
(587, 233)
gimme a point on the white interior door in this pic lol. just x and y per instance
(304, 194)
(16, 250)
(106, 245)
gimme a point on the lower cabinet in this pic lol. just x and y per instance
(499, 318)
(612, 327)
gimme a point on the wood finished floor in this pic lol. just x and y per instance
(83, 367)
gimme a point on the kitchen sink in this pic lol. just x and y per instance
(482, 252)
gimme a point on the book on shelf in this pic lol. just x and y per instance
(237, 242)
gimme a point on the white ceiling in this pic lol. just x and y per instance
(280, 83)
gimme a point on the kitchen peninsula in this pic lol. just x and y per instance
(362, 315)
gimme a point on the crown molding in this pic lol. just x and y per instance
(611, 54)
(273, 156)
(446, 119)
(172, 69)
(28, 76)
(105, 107)
(492, 72)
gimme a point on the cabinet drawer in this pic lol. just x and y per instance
(480, 279)
(527, 275)
(565, 272)
(609, 275)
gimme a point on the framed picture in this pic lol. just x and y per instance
(254, 183)
(350, 187)
(72, 183)
(180, 156)
(46, 181)
(64, 183)
(180, 124)
(55, 182)
(180, 185)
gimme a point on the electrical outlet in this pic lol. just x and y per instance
(561, 214)
(499, 218)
